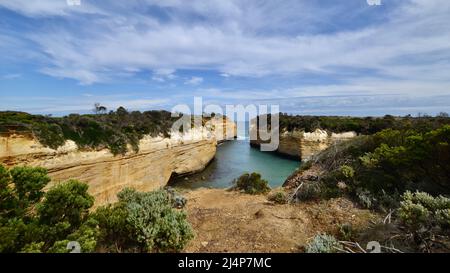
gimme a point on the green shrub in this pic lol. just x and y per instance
(113, 131)
(347, 171)
(443, 217)
(66, 202)
(323, 243)
(34, 247)
(377, 169)
(366, 198)
(361, 125)
(21, 188)
(143, 222)
(421, 210)
(34, 221)
(156, 224)
(251, 184)
(86, 236)
(49, 134)
(278, 197)
(116, 234)
(414, 214)
(346, 232)
(311, 191)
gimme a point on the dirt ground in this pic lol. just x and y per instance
(227, 221)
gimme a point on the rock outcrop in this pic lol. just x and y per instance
(158, 158)
(303, 145)
(224, 129)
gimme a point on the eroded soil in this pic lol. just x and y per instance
(226, 221)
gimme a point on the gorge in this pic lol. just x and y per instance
(106, 174)
(302, 145)
(331, 189)
(188, 160)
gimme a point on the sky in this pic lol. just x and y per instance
(320, 57)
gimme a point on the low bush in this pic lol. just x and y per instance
(278, 197)
(156, 223)
(346, 232)
(360, 125)
(251, 184)
(114, 130)
(310, 191)
(323, 243)
(420, 210)
(376, 170)
(32, 220)
(145, 222)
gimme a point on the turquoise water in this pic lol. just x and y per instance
(234, 158)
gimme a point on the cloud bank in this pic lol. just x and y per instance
(401, 47)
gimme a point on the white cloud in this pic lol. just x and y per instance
(249, 39)
(42, 8)
(163, 74)
(194, 81)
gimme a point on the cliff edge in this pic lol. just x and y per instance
(150, 168)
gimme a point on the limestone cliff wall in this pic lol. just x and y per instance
(224, 129)
(319, 140)
(303, 145)
(158, 158)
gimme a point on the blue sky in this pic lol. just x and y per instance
(310, 57)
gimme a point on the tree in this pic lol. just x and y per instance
(121, 111)
(99, 109)
(443, 115)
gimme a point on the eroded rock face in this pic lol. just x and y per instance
(223, 129)
(319, 140)
(158, 158)
(303, 145)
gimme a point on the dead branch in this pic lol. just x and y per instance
(295, 192)
(388, 217)
(393, 249)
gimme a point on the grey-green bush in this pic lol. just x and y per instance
(323, 243)
(156, 224)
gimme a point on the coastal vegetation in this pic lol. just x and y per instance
(32, 220)
(251, 184)
(323, 243)
(421, 224)
(360, 125)
(114, 130)
(397, 167)
(402, 172)
(278, 197)
(376, 170)
(143, 222)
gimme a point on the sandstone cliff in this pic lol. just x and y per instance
(223, 129)
(303, 145)
(158, 158)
